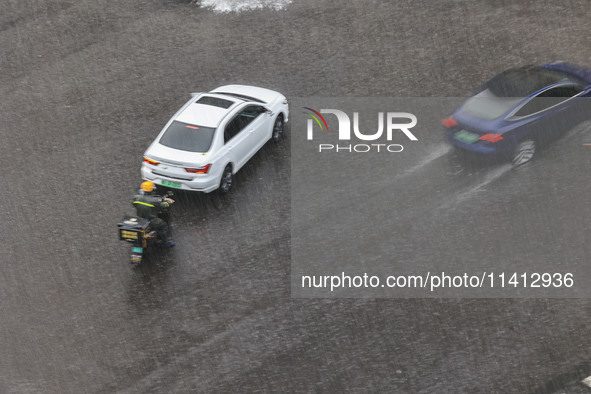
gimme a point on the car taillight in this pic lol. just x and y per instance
(150, 161)
(449, 122)
(200, 170)
(491, 137)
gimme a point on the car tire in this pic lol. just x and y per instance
(278, 127)
(226, 181)
(524, 152)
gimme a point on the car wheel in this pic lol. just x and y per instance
(524, 152)
(277, 129)
(226, 181)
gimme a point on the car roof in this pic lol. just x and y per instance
(204, 111)
(524, 81)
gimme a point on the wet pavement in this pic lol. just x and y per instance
(85, 86)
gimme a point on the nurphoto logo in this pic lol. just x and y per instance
(395, 122)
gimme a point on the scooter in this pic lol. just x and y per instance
(137, 231)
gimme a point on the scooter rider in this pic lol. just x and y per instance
(148, 206)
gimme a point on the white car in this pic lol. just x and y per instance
(212, 136)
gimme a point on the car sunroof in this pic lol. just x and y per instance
(215, 102)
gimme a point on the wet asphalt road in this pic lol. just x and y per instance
(85, 86)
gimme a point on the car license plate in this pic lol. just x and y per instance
(172, 184)
(466, 136)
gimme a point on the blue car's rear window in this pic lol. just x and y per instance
(486, 105)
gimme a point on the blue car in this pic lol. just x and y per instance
(521, 109)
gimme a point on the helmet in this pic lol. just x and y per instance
(148, 186)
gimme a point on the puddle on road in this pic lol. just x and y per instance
(224, 6)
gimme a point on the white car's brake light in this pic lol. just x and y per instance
(200, 170)
(150, 161)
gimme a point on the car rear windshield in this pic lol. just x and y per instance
(187, 137)
(215, 102)
(486, 105)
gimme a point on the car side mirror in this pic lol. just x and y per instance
(195, 94)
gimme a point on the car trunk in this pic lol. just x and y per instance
(177, 157)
